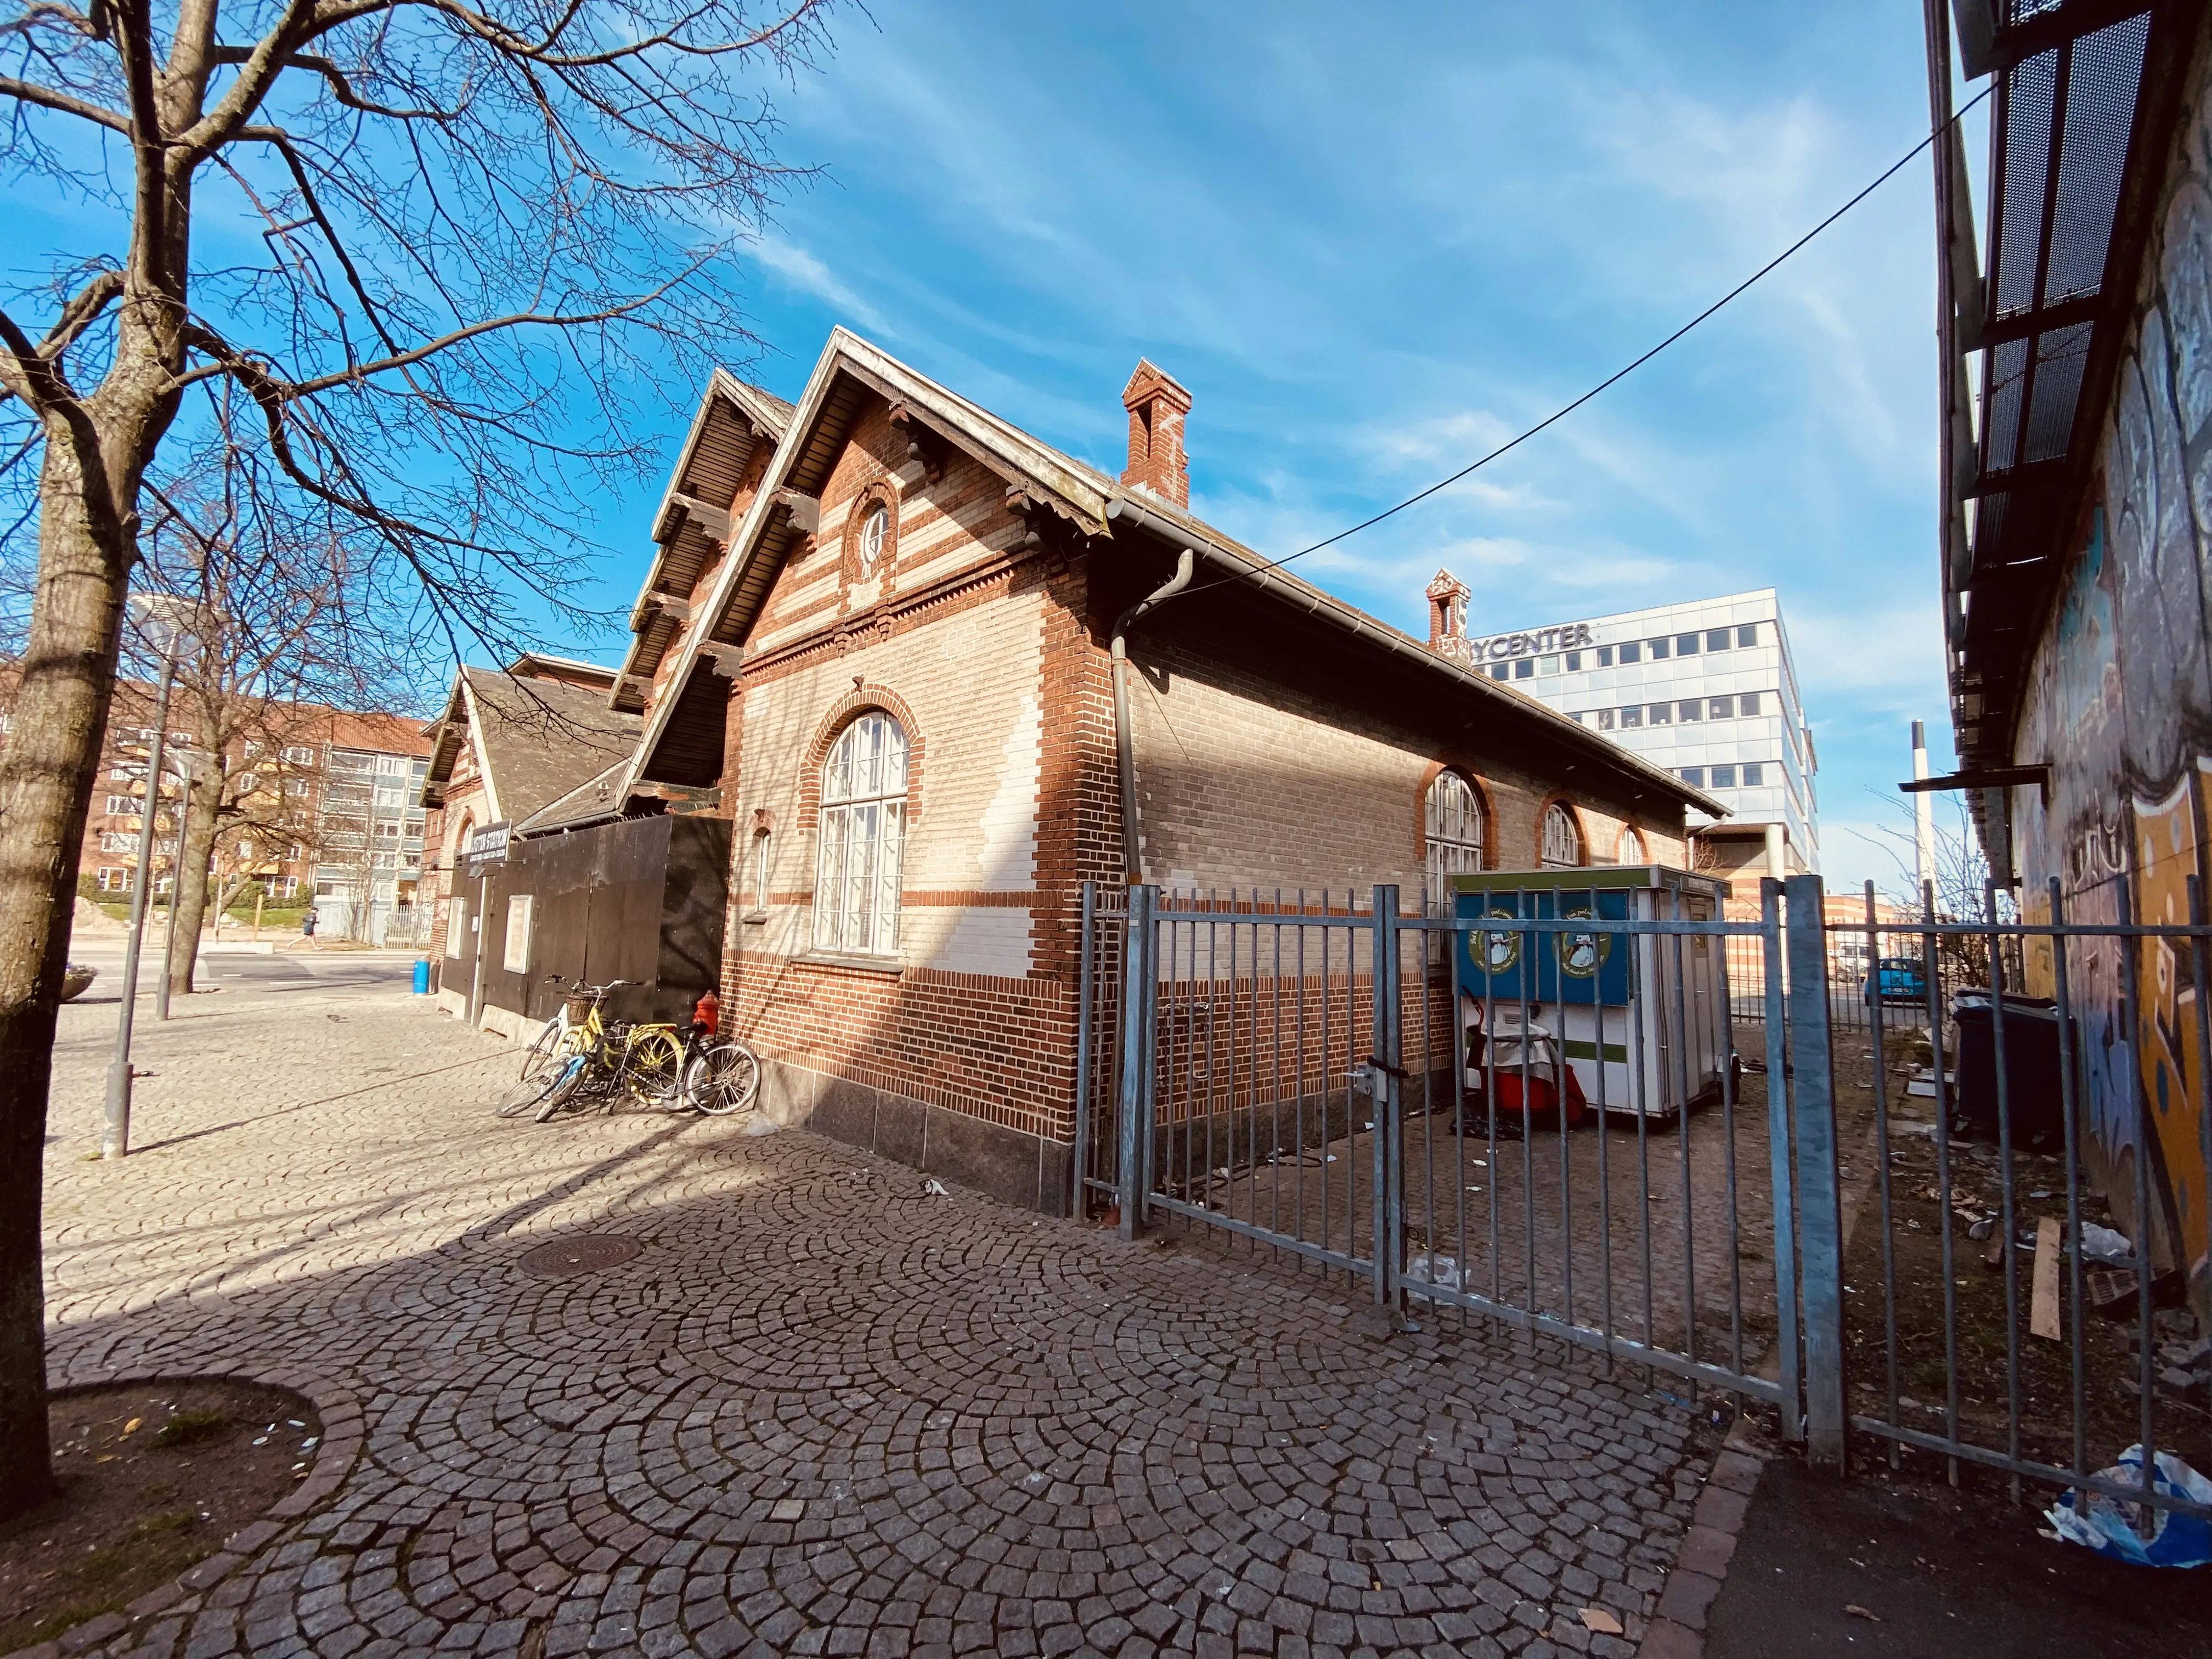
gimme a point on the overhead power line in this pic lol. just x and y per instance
(1623, 373)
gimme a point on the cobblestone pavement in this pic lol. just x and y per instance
(822, 1411)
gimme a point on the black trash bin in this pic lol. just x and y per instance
(2032, 1092)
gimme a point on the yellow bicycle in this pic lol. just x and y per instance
(578, 1056)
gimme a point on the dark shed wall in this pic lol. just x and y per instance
(642, 900)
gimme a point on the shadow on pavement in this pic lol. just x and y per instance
(1944, 1573)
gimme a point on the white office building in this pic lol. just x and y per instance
(1706, 690)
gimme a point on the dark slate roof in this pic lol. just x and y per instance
(597, 799)
(542, 738)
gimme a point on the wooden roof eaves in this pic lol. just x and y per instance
(1006, 450)
(762, 417)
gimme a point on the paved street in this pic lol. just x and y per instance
(818, 1411)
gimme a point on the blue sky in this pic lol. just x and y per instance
(1373, 243)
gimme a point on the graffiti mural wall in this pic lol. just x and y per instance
(2120, 706)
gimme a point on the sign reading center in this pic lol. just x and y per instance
(1542, 642)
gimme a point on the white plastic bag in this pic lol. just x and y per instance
(2107, 1525)
(1440, 1271)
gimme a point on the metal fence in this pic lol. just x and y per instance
(1718, 1181)
(2035, 1191)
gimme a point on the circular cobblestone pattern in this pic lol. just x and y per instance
(820, 1410)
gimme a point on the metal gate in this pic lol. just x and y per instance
(1293, 1070)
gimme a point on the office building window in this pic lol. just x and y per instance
(1753, 775)
(1525, 669)
(1547, 664)
(1747, 704)
(299, 754)
(1716, 639)
(1663, 713)
(1692, 709)
(1632, 717)
(1719, 708)
(1499, 671)
(1563, 840)
(1658, 650)
(1605, 720)
(1694, 776)
(1605, 656)
(1747, 636)
(1631, 652)
(1574, 661)
(1724, 777)
(1686, 645)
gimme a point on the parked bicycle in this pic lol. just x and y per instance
(579, 1058)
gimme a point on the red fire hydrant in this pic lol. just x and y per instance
(707, 1016)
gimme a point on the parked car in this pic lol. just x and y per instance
(1900, 979)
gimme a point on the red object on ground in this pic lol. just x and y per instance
(1543, 1095)
(707, 1016)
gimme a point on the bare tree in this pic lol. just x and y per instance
(448, 241)
(291, 626)
(1960, 880)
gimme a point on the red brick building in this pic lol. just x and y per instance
(879, 636)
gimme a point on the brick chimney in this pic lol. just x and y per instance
(1156, 405)
(1448, 597)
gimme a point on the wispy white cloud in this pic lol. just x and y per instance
(803, 271)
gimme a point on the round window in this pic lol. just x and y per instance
(873, 530)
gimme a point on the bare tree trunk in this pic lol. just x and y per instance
(190, 895)
(46, 784)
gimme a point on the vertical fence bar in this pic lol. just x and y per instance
(1139, 993)
(1387, 1143)
(1932, 951)
(1881, 1157)
(2131, 999)
(2062, 982)
(1812, 1115)
(1085, 990)
(1779, 1166)
(2008, 1207)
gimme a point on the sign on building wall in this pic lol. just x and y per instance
(1498, 647)
(487, 850)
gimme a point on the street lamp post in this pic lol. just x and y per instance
(159, 619)
(115, 1133)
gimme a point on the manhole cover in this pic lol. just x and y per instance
(564, 1258)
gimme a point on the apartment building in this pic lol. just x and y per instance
(319, 805)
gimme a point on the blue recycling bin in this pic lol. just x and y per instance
(422, 977)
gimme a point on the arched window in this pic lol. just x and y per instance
(856, 891)
(1629, 850)
(1563, 841)
(1452, 835)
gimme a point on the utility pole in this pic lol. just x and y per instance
(188, 769)
(1923, 814)
(115, 1131)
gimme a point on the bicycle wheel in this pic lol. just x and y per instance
(565, 1089)
(653, 1068)
(723, 1079)
(541, 1063)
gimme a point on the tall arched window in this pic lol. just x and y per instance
(856, 891)
(1452, 833)
(1629, 850)
(1563, 841)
